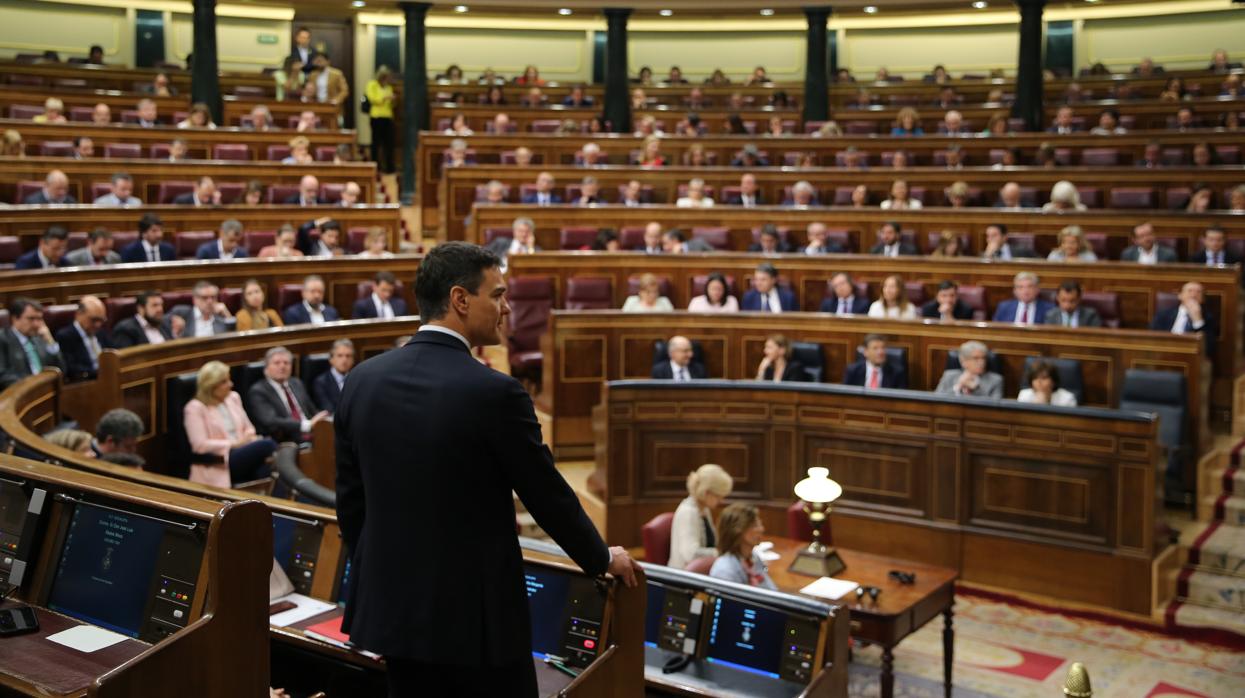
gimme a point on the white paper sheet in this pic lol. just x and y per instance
(830, 588)
(304, 608)
(86, 638)
(765, 550)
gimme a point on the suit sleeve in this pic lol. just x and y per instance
(8, 373)
(529, 467)
(266, 417)
(318, 394)
(350, 499)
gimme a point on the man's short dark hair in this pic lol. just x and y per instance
(873, 337)
(330, 225)
(948, 283)
(675, 234)
(448, 265)
(18, 305)
(118, 176)
(148, 220)
(55, 232)
(118, 424)
(1071, 286)
(770, 229)
(1002, 228)
(767, 268)
(146, 296)
(386, 277)
(99, 233)
(302, 29)
(1215, 228)
(893, 224)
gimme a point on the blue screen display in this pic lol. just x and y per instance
(746, 636)
(106, 567)
(282, 540)
(653, 613)
(546, 602)
(344, 590)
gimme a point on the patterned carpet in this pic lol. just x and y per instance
(1009, 650)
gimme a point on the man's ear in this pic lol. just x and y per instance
(458, 299)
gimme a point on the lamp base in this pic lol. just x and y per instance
(823, 564)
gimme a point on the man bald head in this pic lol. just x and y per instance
(309, 187)
(56, 186)
(90, 315)
(680, 350)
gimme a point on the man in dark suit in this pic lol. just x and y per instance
(680, 364)
(1190, 317)
(818, 242)
(947, 304)
(1146, 249)
(308, 192)
(150, 245)
(873, 371)
(844, 301)
(206, 317)
(279, 404)
(997, 246)
(26, 346)
(329, 244)
(544, 194)
(147, 326)
(770, 241)
(50, 251)
(1026, 308)
(326, 389)
(227, 245)
(765, 294)
(381, 303)
(890, 244)
(55, 191)
(311, 310)
(1214, 249)
(1069, 311)
(205, 194)
(675, 241)
(302, 50)
(749, 195)
(82, 340)
(410, 450)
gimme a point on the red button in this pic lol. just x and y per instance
(590, 644)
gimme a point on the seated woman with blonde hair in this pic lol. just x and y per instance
(741, 531)
(777, 365)
(893, 304)
(226, 446)
(949, 245)
(375, 244)
(1073, 247)
(648, 299)
(300, 152)
(253, 315)
(73, 439)
(692, 533)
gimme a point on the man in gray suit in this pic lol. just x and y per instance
(26, 346)
(1070, 312)
(98, 250)
(972, 378)
(675, 242)
(1146, 249)
(279, 405)
(206, 317)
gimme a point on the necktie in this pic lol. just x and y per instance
(295, 413)
(873, 377)
(682, 375)
(32, 355)
(1024, 313)
(842, 306)
(765, 303)
(93, 346)
(1218, 258)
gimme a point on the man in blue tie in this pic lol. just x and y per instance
(1214, 249)
(26, 347)
(765, 295)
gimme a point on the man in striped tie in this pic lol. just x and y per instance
(679, 364)
(27, 346)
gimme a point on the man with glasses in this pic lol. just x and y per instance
(206, 316)
(82, 340)
(26, 347)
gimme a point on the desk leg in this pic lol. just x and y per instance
(948, 650)
(888, 673)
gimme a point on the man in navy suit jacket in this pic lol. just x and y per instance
(884, 374)
(326, 389)
(410, 451)
(1026, 308)
(311, 309)
(679, 363)
(381, 303)
(748, 195)
(844, 301)
(1214, 249)
(765, 294)
(544, 194)
(81, 361)
(48, 254)
(227, 246)
(1190, 317)
(150, 245)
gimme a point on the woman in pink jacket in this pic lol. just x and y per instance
(221, 436)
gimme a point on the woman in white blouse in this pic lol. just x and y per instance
(900, 199)
(649, 298)
(715, 299)
(693, 533)
(1044, 387)
(695, 196)
(893, 303)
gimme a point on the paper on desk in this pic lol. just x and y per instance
(830, 588)
(765, 550)
(86, 638)
(304, 608)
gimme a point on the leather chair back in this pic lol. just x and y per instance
(1162, 393)
(702, 565)
(186, 243)
(589, 293)
(1071, 377)
(656, 536)
(810, 356)
(179, 390)
(578, 237)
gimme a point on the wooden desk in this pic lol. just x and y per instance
(900, 609)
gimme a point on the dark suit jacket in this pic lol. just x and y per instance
(756, 247)
(1165, 254)
(1085, 317)
(40, 198)
(892, 376)
(1006, 312)
(410, 455)
(14, 364)
(793, 373)
(1229, 257)
(325, 392)
(738, 199)
(311, 55)
(127, 333)
(210, 250)
(1016, 252)
(662, 370)
(860, 306)
(297, 200)
(267, 409)
(905, 248)
(134, 253)
(30, 260)
(219, 325)
(752, 301)
(365, 308)
(297, 314)
(187, 198)
(1164, 320)
(961, 311)
(532, 198)
(74, 353)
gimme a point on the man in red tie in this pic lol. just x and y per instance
(873, 371)
(279, 405)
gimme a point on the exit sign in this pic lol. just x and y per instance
(267, 38)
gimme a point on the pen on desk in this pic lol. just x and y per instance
(561, 667)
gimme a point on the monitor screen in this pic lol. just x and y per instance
(295, 546)
(672, 619)
(13, 504)
(746, 636)
(106, 567)
(566, 610)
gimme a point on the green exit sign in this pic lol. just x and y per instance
(267, 38)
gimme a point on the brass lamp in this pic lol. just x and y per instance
(817, 491)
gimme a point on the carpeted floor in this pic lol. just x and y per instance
(1013, 651)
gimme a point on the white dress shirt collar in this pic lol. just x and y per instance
(315, 316)
(445, 330)
(1151, 257)
(675, 370)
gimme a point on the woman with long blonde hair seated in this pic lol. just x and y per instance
(226, 446)
(692, 533)
(893, 304)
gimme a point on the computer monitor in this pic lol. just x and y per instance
(19, 518)
(295, 547)
(759, 639)
(125, 571)
(567, 610)
(673, 618)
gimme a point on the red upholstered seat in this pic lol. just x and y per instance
(491, 234)
(1177, 197)
(656, 537)
(719, 236)
(531, 300)
(859, 128)
(81, 113)
(578, 237)
(171, 190)
(231, 151)
(589, 293)
(470, 155)
(24, 112)
(25, 188)
(1100, 157)
(932, 236)
(791, 159)
(123, 150)
(173, 299)
(123, 238)
(1090, 196)
(1107, 304)
(278, 193)
(187, 242)
(231, 192)
(1098, 243)
(702, 565)
(355, 239)
(98, 189)
(57, 316)
(364, 289)
(813, 126)
(325, 153)
(915, 291)
(256, 240)
(119, 307)
(798, 526)
(1229, 154)
(158, 151)
(1174, 157)
(975, 298)
(332, 192)
(277, 152)
(843, 195)
(1133, 197)
(56, 149)
(631, 236)
(917, 193)
(544, 125)
(482, 192)
(288, 294)
(664, 285)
